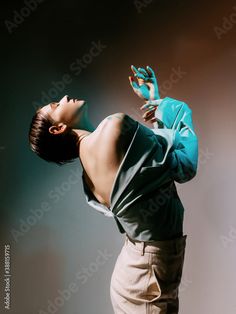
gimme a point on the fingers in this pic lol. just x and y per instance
(149, 114)
(137, 73)
(147, 105)
(143, 71)
(134, 70)
(134, 85)
(150, 71)
(144, 85)
(143, 74)
(140, 76)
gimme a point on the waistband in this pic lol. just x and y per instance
(173, 245)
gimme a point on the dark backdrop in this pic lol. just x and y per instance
(85, 49)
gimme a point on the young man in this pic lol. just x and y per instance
(128, 174)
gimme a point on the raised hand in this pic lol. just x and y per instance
(147, 87)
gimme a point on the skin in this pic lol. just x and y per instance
(66, 113)
(102, 149)
(146, 88)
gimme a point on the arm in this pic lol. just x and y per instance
(172, 120)
(177, 116)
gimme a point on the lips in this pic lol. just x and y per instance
(75, 99)
(69, 99)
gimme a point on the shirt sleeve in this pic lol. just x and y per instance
(176, 117)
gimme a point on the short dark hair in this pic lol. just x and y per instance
(60, 148)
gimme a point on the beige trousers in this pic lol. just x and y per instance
(146, 277)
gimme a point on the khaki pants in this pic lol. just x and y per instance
(146, 277)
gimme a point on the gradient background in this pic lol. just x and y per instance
(69, 238)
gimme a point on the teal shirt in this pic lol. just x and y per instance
(144, 200)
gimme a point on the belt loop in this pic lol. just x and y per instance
(142, 247)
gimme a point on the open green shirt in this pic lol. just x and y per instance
(144, 200)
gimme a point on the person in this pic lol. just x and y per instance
(129, 174)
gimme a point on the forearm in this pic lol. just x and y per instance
(176, 117)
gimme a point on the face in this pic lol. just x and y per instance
(66, 112)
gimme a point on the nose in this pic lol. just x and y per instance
(66, 98)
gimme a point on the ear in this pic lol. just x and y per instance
(57, 129)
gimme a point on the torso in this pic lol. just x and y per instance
(102, 153)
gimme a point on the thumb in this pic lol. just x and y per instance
(134, 85)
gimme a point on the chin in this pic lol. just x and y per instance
(81, 103)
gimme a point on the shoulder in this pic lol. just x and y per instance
(120, 117)
(121, 122)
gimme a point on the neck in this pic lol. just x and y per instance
(85, 123)
(81, 134)
(84, 129)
